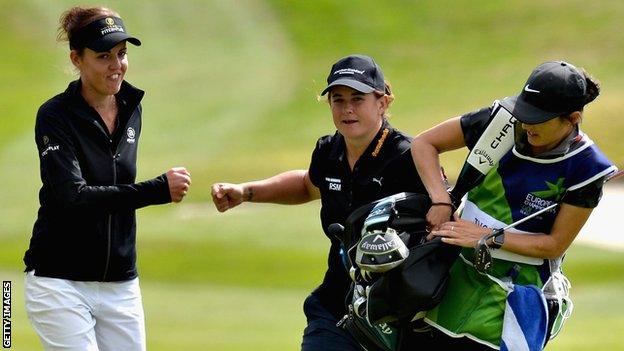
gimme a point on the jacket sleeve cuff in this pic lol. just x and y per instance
(159, 190)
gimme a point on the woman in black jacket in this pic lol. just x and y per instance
(82, 290)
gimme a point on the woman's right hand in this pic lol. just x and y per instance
(179, 181)
(438, 215)
(227, 195)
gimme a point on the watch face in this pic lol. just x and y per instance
(499, 240)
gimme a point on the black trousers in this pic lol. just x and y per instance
(321, 333)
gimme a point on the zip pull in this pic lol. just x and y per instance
(348, 316)
(342, 321)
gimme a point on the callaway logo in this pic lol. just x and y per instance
(365, 245)
(378, 236)
(529, 90)
(486, 158)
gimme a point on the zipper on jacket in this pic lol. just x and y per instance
(108, 247)
(110, 219)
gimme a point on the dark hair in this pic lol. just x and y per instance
(593, 87)
(77, 17)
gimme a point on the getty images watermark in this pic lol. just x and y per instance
(6, 314)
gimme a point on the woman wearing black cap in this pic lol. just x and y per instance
(81, 287)
(365, 160)
(550, 161)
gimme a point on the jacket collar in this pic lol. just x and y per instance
(128, 95)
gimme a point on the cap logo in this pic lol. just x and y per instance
(349, 71)
(111, 27)
(529, 90)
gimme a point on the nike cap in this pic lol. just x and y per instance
(102, 35)
(359, 72)
(554, 89)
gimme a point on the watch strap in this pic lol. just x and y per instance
(497, 241)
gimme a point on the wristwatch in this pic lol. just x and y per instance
(497, 241)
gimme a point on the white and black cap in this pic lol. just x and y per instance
(102, 35)
(554, 88)
(359, 72)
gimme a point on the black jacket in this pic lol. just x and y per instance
(385, 168)
(86, 226)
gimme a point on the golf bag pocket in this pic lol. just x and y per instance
(378, 337)
(415, 286)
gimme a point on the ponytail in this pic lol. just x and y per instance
(77, 17)
(592, 89)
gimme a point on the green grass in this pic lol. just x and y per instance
(187, 313)
(190, 316)
(231, 94)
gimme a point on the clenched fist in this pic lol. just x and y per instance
(226, 195)
(179, 180)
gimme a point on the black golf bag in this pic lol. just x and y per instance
(396, 273)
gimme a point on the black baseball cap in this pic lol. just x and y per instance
(102, 35)
(359, 72)
(554, 88)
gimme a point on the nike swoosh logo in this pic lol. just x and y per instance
(527, 89)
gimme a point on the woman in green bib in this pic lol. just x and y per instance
(551, 161)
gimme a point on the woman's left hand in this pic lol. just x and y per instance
(460, 232)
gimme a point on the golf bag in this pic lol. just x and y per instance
(396, 273)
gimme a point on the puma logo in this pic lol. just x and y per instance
(378, 180)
